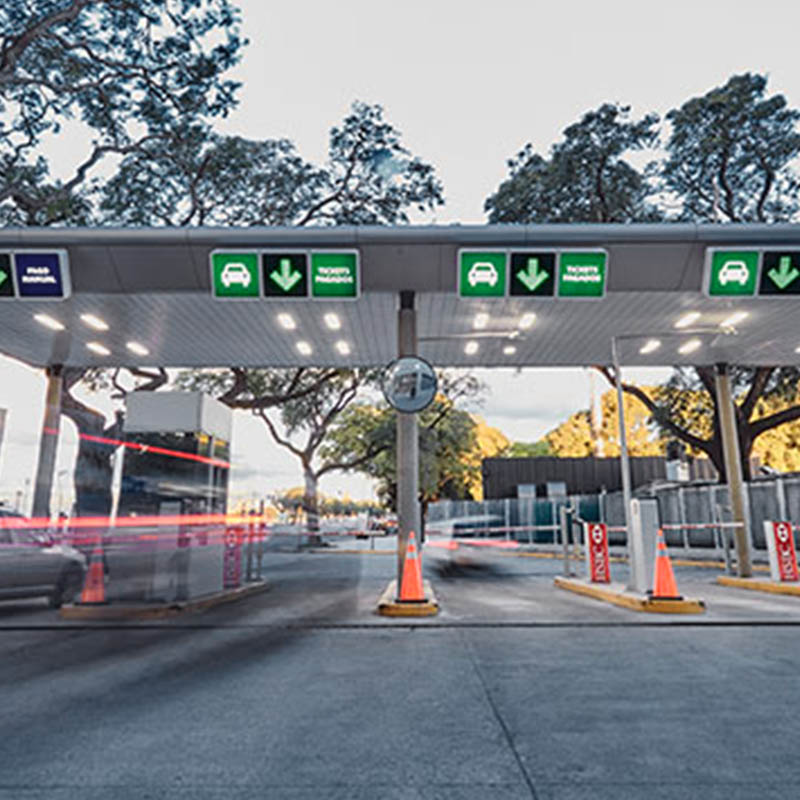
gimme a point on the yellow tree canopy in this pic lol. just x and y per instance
(489, 442)
(574, 438)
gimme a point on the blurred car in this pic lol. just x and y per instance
(32, 565)
(476, 541)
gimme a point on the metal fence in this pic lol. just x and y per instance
(690, 514)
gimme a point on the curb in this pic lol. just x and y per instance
(114, 611)
(389, 607)
(773, 587)
(619, 596)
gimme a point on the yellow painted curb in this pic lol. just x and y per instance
(120, 611)
(619, 596)
(773, 587)
(389, 607)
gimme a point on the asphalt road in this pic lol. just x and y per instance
(516, 690)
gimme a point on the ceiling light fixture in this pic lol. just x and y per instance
(98, 348)
(48, 322)
(527, 320)
(343, 347)
(687, 319)
(481, 321)
(509, 350)
(470, 348)
(304, 348)
(689, 347)
(95, 322)
(137, 348)
(333, 322)
(286, 321)
(650, 346)
(734, 319)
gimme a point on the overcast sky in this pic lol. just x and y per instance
(467, 84)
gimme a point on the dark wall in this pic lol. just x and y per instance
(582, 475)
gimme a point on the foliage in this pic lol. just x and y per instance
(730, 154)
(489, 442)
(528, 450)
(130, 73)
(585, 179)
(574, 437)
(199, 178)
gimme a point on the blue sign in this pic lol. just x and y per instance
(42, 276)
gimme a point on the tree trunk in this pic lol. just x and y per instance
(311, 506)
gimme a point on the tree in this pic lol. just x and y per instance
(686, 408)
(308, 402)
(131, 73)
(447, 442)
(528, 450)
(730, 154)
(585, 179)
(574, 438)
(200, 178)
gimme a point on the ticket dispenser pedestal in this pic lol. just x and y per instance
(642, 543)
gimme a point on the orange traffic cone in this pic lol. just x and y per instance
(94, 590)
(664, 586)
(411, 589)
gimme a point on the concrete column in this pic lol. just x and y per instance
(408, 518)
(632, 537)
(733, 467)
(48, 443)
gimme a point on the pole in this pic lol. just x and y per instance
(48, 443)
(408, 516)
(733, 467)
(625, 464)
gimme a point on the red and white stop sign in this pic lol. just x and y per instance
(782, 556)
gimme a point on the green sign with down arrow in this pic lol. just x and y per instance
(533, 274)
(285, 274)
(780, 273)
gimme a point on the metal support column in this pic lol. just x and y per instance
(48, 443)
(408, 515)
(733, 467)
(634, 547)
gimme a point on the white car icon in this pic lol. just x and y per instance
(482, 272)
(734, 272)
(235, 272)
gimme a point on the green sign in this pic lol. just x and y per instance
(582, 273)
(482, 274)
(733, 273)
(780, 273)
(334, 274)
(533, 274)
(6, 281)
(285, 274)
(235, 274)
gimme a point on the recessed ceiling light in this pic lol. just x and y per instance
(48, 322)
(333, 322)
(304, 348)
(734, 319)
(509, 350)
(98, 348)
(343, 347)
(287, 321)
(471, 348)
(481, 321)
(526, 320)
(687, 319)
(94, 322)
(137, 348)
(689, 347)
(650, 346)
